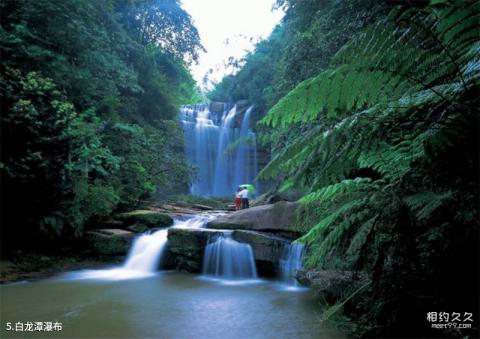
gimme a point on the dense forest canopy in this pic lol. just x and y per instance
(90, 91)
(371, 113)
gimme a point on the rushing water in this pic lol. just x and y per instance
(145, 255)
(229, 259)
(290, 262)
(110, 304)
(224, 153)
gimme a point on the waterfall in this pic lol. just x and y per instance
(222, 148)
(245, 158)
(201, 139)
(290, 262)
(145, 255)
(223, 164)
(229, 259)
(146, 252)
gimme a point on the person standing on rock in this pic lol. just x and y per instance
(244, 196)
(238, 199)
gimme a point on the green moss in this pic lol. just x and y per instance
(109, 245)
(146, 217)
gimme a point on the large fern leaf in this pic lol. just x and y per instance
(425, 203)
(328, 192)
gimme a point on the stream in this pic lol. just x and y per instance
(136, 300)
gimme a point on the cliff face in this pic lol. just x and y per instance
(218, 108)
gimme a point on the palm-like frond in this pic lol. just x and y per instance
(390, 96)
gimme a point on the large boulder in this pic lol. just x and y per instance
(138, 228)
(278, 218)
(186, 247)
(267, 249)
(146, 217)
(109, 241)
(110, 223)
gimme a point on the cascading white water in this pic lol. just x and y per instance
(201, 138)
(291, 260)
(246, 155)
(224, 165)
(223, 150)
(226, 258)
(145, 254)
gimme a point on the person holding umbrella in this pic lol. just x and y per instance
(244, 195)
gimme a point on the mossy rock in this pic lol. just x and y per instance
(138, 228)
(109, 241)
(145, 217)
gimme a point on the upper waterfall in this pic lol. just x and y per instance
(223, 147)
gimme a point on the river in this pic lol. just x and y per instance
(136, 301)
(169, 305)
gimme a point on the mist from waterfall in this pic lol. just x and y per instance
(222, 148)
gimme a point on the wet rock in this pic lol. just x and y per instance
(146, 217)
(138, 228)
(187, 246)
(202, 207)
(278, 218)
(331, 284)
(267, 249)
(217, 107)
(110, 223)
(109, 241)
(242, 106)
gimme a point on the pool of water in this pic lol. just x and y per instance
(166, 305)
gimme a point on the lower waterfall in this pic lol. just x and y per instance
(229, 259)
(290, 262)
(145, 255)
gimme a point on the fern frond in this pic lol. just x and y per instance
(328, 192)
(342, 228)
(328, 220)
(383, 63)
(423, 204)
(338, 306)
(360, 237)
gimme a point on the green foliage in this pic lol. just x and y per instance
(299, 48)
(89, 100)
(377, 99)
(423, 204)
(188, 200)
(385, 141)
(329, 192)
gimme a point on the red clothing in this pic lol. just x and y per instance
(238, 203)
